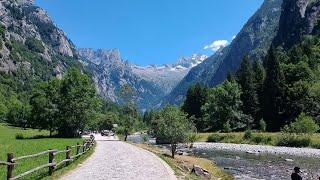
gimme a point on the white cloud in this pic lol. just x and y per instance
(233, 37)
(216, 45)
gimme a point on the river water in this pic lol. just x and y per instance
(247, 166)
(262, 166)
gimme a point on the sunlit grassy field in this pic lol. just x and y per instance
(238, 138)
(27, 146)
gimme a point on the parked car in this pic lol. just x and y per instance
(104, 132)
(107, 133)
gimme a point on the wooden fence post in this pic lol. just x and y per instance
(78, 148)
(68, 154)
(10, 165)
(51, 160)
(84, 147)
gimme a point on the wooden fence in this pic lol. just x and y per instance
(52, 164)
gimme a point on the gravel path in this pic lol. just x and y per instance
(114, 159)
(308, 152)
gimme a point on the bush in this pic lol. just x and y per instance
(303, 125)
(2, 31)
(247, 135)
(291, 140)
(145, 138)
(262, 125)
(315, 145)
(34, 45)
(261, 139)
(19, 136)
(215, 138)
(227, 127)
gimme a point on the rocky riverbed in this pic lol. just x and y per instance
(257, 149)
(261, 162)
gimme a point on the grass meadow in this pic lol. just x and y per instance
(262, 138)
(31, 142)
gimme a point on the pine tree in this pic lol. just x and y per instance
(249, 97)
(196, 97)
(260, 75)
(273, 93)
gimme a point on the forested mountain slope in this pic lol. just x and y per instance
(32, 49)
(254, 40)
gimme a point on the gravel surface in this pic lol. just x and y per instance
(114, 159)
(260, 149)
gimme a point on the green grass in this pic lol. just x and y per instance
(182, 165)
(27, 146)
(257, 138)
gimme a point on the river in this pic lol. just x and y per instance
(262, 166)
(261, 162)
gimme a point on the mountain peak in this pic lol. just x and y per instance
(191, 61)
(100, 56)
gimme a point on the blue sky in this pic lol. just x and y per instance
(151, 31)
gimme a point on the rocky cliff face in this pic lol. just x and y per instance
(27, 30)
(111, 73)
(169, 75)
(254, 40)
(298, 18)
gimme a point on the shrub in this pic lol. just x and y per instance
(291, 140)
(145, 138)
(2, 31)
(247, 135)
(315, 145)
(303, 125)
(8, 45)
(261, 139)
(227, 127)
(192, 137)
(215, 138)
(19, 136)
(262, 125)
(34, 45)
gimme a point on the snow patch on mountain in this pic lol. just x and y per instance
(169, 75)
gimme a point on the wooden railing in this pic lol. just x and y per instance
(52, 164)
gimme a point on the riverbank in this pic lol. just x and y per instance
(259, 149)
(182, 165)
(261, 162)
(259, 138)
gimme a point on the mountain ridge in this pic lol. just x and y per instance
(151, 83)
(254, 40)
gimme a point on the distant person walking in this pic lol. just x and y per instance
(295, 175)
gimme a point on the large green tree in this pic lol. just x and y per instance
(249, 96)
(78, 103)
(44, 102)
(173, 127)
(224, 108)
(273, 93)
(197, 96)
(260, 75)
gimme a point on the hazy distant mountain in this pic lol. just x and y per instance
(150, 83)
(111, 73)
(168, 75)
(254, 40)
